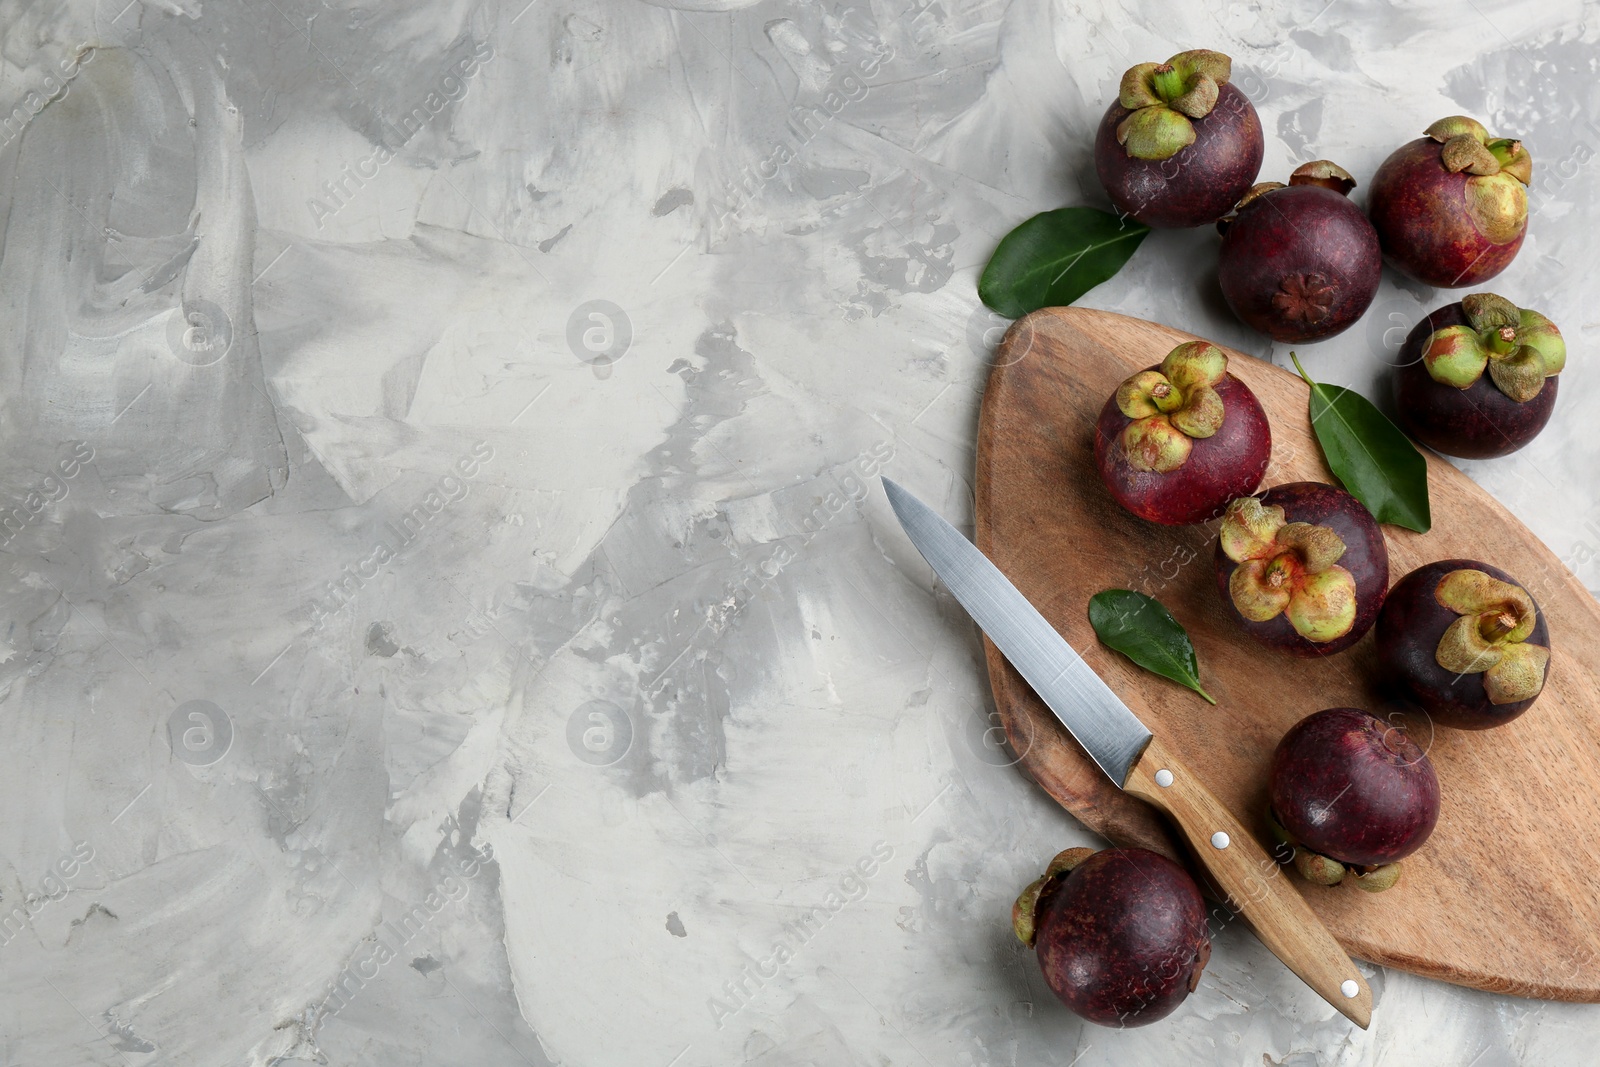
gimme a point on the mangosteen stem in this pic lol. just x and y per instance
(1168, 83)
(1504, 151)
(1497, 627)
(1504, 340)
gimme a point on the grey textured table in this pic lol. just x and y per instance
(449, 612)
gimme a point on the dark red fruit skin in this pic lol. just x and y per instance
(1198, 185)
(1478, 422)
(1366, 557)
(1354, 787)
(1227, 464)
(1420, 212)
(1409, 629)
(1299, 230)
(1122, 938)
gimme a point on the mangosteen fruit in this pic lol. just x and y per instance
(1303, 567)
(1177, 441)
(1447, 401)
(1451, 207)
(1179, 145)
(1466, 641)
(1300, 262)
(1351, 795)
(1121, 933)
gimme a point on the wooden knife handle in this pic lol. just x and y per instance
(1254, 882)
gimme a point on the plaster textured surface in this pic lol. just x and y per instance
(447, 614)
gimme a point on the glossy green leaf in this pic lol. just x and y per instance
(1373, 460)
(1141, 629)
(1055, 257)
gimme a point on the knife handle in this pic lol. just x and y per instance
(1254, 882)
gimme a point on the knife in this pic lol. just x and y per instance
(1135, 759)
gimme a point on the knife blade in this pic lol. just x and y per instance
(1111, 734)
(1134, 758)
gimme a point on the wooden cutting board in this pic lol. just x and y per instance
(1505, 896)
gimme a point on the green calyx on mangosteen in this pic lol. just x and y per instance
(1164, 98)
(1172, 406)
(1318, 869)
(1180, 144)
(1500, 170)
(1303, 568)
(1451, 207)
(1180, 439)
(1287, 568)
(1466, 641)
(1490, 637)
(1518, 347)
(1022, 912)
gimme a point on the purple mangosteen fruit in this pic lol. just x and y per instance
(1466, 641)
(1179, 440)
(1121, 933)
(1303, 567)
(1300, 262)
(1451, 208)
(1351, 795)
(1179, 145)
(1447, 401)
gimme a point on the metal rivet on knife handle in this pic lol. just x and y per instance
(1164, 778)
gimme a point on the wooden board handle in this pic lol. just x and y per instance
(1254, 882)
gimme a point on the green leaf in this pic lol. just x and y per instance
(1056, 257)
(1141, 629)
(1372, 459)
